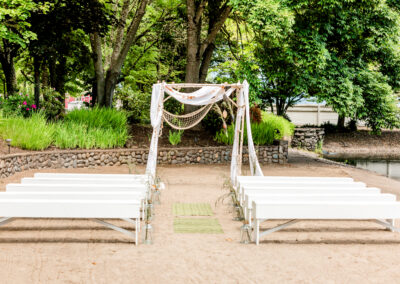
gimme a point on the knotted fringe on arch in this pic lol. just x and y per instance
(186, 121)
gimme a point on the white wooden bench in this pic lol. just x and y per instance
(383, 212)
(369, 194)
(138, 189)
(43, 206)
(77, 196)
(261, 186)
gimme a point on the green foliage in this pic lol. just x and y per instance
(52, 105)
(380, 103)
(344, 53)
(31, 133)
(362, 65)
(212, 122)
(136, 104)
(285, 127)
(271, 128)
(175, 137)
(18, 105)
(14, 25)
(318, 147)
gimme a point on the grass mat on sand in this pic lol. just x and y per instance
(192, 209)
(202, 226)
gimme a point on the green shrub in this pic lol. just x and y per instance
(212, 122)
(175, 137)
(271, 128)
(284, 127)
(136, 104)
(31, 133)
(18, 105)
(52, 104)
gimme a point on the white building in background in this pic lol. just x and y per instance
(75, 105)
(311, 113)
(315, 114)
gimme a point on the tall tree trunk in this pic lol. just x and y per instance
(205, 64)
(9, 74)
(280, 106)
(94, 92)
(7, 54)
(61, 68)
(95, 41)
(45, 76)
(106, 81)
(341, 120)
(52, 70)
(199, 51)
(36, 71)
(110, 83)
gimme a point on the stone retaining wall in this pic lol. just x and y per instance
(10, 164)
(307, 138)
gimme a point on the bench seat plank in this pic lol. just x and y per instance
(23, 208)
(289, 178)
(97, 176)
(73, 187)
(326, 210)
(81, 181)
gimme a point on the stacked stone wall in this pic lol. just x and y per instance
(10, 164)
(307, 138)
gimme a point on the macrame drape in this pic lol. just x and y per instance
(206, 96)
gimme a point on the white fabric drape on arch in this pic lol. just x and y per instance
(204, 96)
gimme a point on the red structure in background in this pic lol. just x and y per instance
(69, 99)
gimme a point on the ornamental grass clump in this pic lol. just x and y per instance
(285, 127)
(92, 128)
(272, 127)
(175, 137)
(32, 133)
(98, 118)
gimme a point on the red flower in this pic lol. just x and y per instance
(34, 106)
(27, 108)
(24, 103)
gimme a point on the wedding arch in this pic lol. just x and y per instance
(205, 97)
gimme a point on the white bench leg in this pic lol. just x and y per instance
(137, 231)
(249, 216)
(5, 220)
(257, 231)
(391, 222)
(119, 229)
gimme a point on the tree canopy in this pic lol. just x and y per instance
(345, 53)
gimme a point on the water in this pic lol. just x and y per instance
(389, 168)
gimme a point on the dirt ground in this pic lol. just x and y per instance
(81, 251)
